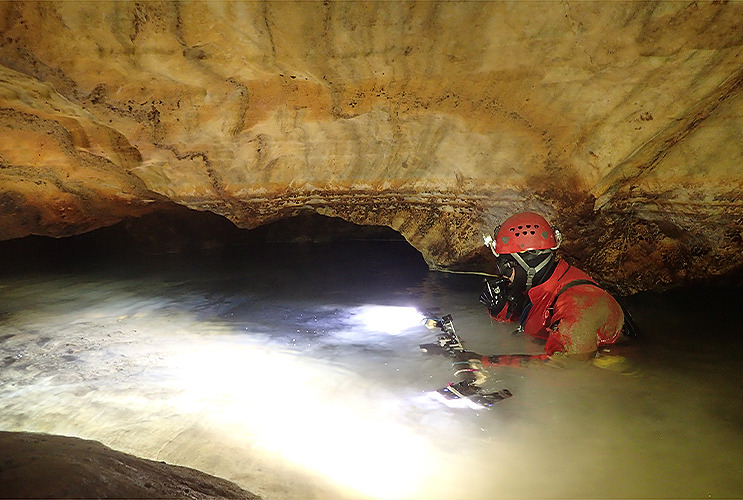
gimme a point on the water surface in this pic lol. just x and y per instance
(294, 370)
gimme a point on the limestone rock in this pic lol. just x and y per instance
(622, 122)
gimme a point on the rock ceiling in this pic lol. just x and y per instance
(622, 122)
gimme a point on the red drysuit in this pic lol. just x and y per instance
(570, 312)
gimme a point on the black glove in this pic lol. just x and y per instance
(494, 295)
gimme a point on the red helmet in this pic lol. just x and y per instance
(525, 231)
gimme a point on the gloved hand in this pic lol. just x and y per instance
(469, 368)
(494, 295)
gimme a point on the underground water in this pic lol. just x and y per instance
(295, 371)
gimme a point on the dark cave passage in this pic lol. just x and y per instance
(181, 231)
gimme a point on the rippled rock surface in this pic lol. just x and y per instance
(620, 121)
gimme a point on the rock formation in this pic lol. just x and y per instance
(48, 466)
(622, 122)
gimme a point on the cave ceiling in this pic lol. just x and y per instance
(621, 122)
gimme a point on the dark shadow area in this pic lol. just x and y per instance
(182, 232)
(701, 319)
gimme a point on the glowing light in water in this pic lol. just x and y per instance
(391, 319)
(158, 369)
(289, 405)
(176, 375)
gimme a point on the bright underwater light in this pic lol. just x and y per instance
(390, 319)
(158, 382)
(310, 414)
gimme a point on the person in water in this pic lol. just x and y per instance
(550, 299)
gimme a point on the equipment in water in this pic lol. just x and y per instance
(448, 341)
(465, 393)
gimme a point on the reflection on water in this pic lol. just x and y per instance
(296, 373)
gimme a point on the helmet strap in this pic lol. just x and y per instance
(531, 271)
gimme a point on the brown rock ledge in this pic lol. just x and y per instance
(48, 466)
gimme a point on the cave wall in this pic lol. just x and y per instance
(622, 122)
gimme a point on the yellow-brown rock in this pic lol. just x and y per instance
(622, 122)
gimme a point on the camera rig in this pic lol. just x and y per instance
(466, 392)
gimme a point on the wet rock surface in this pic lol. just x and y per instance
(48, 466)
(619, 121)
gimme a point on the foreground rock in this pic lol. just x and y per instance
(47, 466)
(620, 121)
